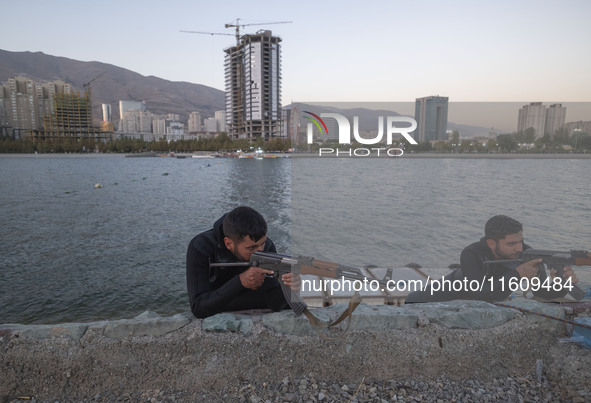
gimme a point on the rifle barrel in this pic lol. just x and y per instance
(503, 261)
(233, 264)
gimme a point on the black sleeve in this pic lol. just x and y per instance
(205, 301)
(474, 269)
(232, 295)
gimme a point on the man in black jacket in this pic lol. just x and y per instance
(234, 238)
(503, 239)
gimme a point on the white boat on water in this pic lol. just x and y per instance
(259, 154)
(204, 156)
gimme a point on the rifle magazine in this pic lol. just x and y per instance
(294, 300)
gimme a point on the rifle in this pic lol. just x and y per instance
(282, 264)
(556, 260)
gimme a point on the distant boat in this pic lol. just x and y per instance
(260, 156)
(147, 154)
(204, 156)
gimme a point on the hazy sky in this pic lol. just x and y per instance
(487, 51)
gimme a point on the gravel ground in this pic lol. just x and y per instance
(520, 361)
(310, 389)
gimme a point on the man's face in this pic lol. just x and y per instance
(244, 248)
(509, 247)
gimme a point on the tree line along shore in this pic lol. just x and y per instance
(515, 143)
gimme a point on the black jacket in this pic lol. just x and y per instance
(220, 289)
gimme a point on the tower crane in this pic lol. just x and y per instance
(88, 95)
(206, 33)
(87, 85)
(236, 25)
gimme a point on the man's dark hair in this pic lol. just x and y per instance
(499, 226)
(243, 221)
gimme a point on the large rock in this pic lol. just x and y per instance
(222, 322)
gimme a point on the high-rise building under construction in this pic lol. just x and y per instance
(45, 111)
(253, 87)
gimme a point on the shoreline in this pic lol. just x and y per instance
(314, 155)
(454, 155)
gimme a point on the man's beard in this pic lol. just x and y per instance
(501, 255)
(238, 256)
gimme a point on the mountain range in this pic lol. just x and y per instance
(110, 84)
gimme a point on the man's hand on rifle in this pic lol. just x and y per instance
(292, 280)
(529, 269)
(253, 277)
(568, 273)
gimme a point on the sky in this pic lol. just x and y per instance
(372, 51)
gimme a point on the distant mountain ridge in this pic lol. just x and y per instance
(161, 96)
(114, 84)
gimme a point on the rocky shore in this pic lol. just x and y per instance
(458, 351)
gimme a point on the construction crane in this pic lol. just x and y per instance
(236, 25)
(206, 33)
(87, 85)
(88, 95)
(88, 90)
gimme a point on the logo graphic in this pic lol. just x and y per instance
(388, 127)
(318, 119)
(345, 128)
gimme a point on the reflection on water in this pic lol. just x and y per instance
(265, 186)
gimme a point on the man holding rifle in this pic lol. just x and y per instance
(234, 238)
(503, 240)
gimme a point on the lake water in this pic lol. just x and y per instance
(73, 252)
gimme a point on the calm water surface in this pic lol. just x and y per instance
(71, 252)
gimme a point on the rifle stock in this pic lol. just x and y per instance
(583, 261)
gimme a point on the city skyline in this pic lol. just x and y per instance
(382, 52)
(472, 117)
(500, 116)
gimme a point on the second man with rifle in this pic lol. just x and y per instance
(503, 240)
